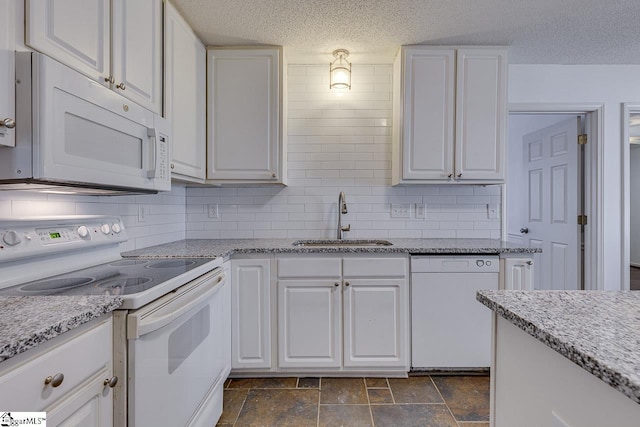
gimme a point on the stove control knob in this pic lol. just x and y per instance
(116, 228)
(11, 238)
(105, 228)
(83, 231)
(479, 263)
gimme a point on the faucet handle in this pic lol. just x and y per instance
(347, 228)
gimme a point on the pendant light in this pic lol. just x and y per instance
(340, 70)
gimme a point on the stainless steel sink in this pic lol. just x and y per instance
(336, 242)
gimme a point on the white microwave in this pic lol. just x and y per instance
(73, 132)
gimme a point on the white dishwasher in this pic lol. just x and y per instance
(449, 329)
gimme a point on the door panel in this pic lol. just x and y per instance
(7, 71)
(75, 32)
(309, 324)
(551, 176)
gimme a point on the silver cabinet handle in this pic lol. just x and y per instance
(460, 175)
(110, 79)
(347, 283)
(273, 175)
(8, 123)
(449, 176)
(529, 262)
(111, 382)
(55, 380)
(524, 230)
(121, 86)
(336, 284)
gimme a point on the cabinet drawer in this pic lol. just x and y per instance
(78, 358)
(375, 267)
(309, 267)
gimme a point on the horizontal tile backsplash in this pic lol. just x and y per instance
(341, 142)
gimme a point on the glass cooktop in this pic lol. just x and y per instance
(121, 277)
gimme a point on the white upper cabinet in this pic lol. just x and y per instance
(450, 115)
(245, 131)
(118, 43)
(185, 96)
(7, 74)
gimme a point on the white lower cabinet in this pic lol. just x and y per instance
(355, 317)
(517, 273)
(68, 377)
(309, 323)
(251, 313)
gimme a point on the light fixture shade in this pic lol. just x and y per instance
(340, 70)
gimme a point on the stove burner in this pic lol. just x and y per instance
(172, 263)
(126, 262)
(56, 284)
(130, 285)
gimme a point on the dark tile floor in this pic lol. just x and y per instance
(433, 401)
(635, 279)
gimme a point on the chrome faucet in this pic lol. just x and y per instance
(342, 209)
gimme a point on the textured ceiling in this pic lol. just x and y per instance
(537, 31)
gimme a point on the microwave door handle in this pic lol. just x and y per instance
(153, 136)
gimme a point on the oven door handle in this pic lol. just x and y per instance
(168, 308)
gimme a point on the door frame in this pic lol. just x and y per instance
(594, 120)
(627, 109)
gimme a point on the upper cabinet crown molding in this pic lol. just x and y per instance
(450, 115)
(115, 42)
(185, 97)
(245, 116)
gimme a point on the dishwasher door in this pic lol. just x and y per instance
(449, 328)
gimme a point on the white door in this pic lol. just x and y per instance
(185, 95)
(374, 323)
(251, 314)
(244, 115)
(7, 74)
(481, 114)
(552, 203)
(137, 51)
(309, 323)
(429, 95)
(75, 32)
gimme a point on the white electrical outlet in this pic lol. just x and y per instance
(400, 211)
(213, 210)
(143, 211)
(421, 211)
(492, 211)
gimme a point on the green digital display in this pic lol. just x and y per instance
(54, 235)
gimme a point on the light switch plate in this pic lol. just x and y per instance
(143, 212)
(492, 211)
(400, 211)
(421, 211)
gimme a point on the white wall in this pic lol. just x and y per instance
(165, 222)
(520, 125)
(610, 85)
(340, 143)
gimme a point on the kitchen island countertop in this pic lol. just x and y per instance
(208, 248)
(26, 322)
(597, 330)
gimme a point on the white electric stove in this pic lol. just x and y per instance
(172, 335)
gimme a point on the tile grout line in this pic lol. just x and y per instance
(366, 390)
(319, 393)
(444, 401)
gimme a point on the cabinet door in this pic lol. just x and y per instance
(428, 114)
(185, 95)
(7, 72)
(251, 308)
(244, 116)
(376, 327)
(309, 323)
(518, 274)
(75, 32)
(481, 114)
(90, 406)
(137, 51)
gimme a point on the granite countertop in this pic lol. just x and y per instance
(597, 330)
(208, 248)
(26, 322)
